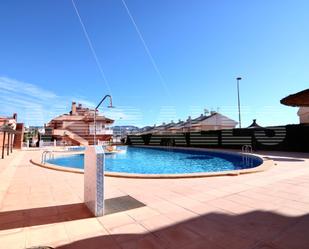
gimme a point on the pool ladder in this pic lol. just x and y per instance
(246, 149)
(247, 160)
(47, 154)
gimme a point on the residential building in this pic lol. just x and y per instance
(11, 132)
(163, 128)
(214, 121)
(123, 130)
(78, 126)
(177, 127)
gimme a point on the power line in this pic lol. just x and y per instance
(91, 47)
(153, 62)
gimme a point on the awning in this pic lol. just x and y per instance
(8, 129)
(297, 99)
(254, 125)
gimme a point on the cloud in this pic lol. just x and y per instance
(124, 115)
(25, 89)
(34, 105)
(85, 102)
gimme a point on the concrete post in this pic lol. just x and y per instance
(28, 144)
(55, 143)
(8, 145)
(94, 179)
(3, 145)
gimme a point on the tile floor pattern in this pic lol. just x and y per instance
(267, 210)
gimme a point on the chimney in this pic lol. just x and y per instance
(73, 109)
(15, 116)
(189, 118)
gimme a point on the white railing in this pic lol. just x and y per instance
(103, 143)
(43, 144)
(101, 131)
(47, 144)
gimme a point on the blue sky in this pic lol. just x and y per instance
(196, 49)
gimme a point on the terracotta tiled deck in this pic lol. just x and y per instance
(257, 211)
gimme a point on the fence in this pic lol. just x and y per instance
(42, 144)
(285, 138)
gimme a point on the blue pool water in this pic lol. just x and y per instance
(162, 161)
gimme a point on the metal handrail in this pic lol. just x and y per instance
(44, 155)
(246, 148)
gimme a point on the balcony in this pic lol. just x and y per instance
(100, 131)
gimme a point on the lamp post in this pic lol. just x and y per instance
(239, 116)
(95, 115)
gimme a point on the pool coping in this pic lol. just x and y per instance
(265, 165)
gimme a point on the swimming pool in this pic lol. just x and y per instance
(140, 160)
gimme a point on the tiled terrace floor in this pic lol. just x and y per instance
(265, 210)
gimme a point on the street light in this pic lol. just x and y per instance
(239, 118)
(95, 115)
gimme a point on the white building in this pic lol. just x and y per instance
(214, 121)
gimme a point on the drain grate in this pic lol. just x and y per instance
(122, 203)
